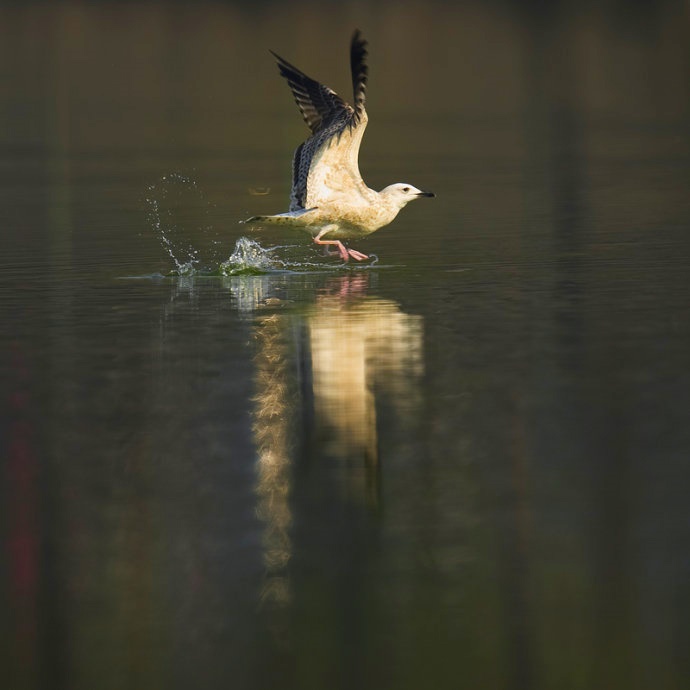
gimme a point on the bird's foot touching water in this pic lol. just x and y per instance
(357, 255)
(345, 252)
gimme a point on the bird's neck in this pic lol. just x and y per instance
(387, 210)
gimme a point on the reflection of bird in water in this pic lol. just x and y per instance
(360, 348)
(343, 353)
(348, 350)
(329, 198)
(271, 424)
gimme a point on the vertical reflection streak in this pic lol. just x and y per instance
(21, 549)
(343, 400)
(270, 425)
(331, 363)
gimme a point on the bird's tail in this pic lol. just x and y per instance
(289, 218)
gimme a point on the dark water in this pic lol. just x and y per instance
(463, 466)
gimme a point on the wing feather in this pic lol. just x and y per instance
(326, 164)
(318, 104)
(360, 72)
(300, 173)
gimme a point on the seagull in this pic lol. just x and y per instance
(329, 199)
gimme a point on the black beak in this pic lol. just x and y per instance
(429, 194)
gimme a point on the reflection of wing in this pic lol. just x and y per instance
(271, 426)
(365, 346)
(326, 163)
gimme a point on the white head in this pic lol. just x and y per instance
(400, 194)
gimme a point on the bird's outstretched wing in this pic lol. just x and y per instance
(360, 73)
(318, 104)
(326, 163)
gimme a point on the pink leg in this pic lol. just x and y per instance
(357, 255)
(337, 243)
(344, 251)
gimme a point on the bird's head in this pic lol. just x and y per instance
(400, 194)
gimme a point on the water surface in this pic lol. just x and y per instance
(465, 465)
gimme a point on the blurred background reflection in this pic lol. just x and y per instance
(465, 465)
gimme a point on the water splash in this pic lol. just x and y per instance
(249, 257)
(176, 207)
(179, 216)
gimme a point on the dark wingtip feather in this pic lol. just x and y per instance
(318, 104)
(360, 71)
(285, 67)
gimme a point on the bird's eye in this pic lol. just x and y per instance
(406, 189)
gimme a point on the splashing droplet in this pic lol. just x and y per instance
(176, 207)
(249, 257)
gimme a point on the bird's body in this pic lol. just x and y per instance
(329, 199)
